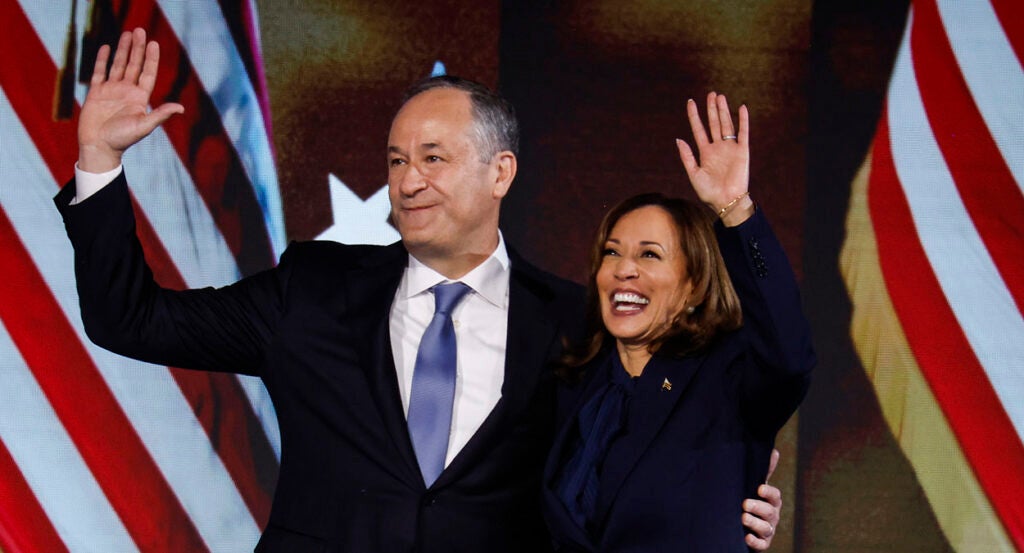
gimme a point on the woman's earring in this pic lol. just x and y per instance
(690, 309)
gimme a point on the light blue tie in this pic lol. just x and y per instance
(433, 384)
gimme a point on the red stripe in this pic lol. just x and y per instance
(28, 80)
(85, 406)
(217, 400)
(80, 398)
(1011, 17)
(219, 403)
(957, 379)
(987, 187)
(203, 145)
(237, 436)
(24, 526)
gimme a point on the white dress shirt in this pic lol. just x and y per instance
(481, 325)
(480, 320)
(87, 184)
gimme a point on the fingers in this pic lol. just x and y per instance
(771, 494)
(758, 544)
(720, 125)
(744, 137)
(773, 460)
(157, 117)
(147, 80)
(724, 117)
(699, 135)
(714, 125)
(136, 56)
(132, 59)
(762, 517)
(120, 57)
(716, 141)
(99, 69)
(760, 529)
(767, 511)
(687, 157)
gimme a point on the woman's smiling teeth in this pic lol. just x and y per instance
(629, 301)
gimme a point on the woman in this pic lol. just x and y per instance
(697, 354)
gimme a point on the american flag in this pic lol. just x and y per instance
(97, 452)
(934, 264)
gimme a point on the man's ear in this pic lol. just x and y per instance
(506, 165)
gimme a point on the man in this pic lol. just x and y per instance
(339, 334)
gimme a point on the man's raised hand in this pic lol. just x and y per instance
(116, 112)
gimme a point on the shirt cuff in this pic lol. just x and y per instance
(87, 184)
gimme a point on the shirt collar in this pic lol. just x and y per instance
(489, 279)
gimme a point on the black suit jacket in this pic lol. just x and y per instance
(315, 329)
(700, 429)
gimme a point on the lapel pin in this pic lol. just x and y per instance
(666, 386)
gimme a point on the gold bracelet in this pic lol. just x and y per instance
(732, 203)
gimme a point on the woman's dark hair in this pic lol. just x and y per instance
(716, 308)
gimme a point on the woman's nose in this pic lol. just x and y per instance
(625, 269)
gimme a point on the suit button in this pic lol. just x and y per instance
(427, 500)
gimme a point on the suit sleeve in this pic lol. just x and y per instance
(125, 311)
(780, 355)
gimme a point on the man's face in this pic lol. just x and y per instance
(444, 200)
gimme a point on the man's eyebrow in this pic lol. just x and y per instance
(425, 146)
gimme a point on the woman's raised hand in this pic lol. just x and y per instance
(722, 176)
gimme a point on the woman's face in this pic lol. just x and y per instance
(642, 282)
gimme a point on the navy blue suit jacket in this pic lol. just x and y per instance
(315, 329)
(675, 481)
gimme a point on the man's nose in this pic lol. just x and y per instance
(411, 180)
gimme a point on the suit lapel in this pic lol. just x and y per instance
(653, 405)
(376, 281)
(531, 344)
(597, 375)
(532, 340)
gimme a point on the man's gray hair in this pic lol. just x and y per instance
(494, 118)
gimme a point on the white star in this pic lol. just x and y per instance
(356, 221)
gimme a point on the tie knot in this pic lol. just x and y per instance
(447, 296)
